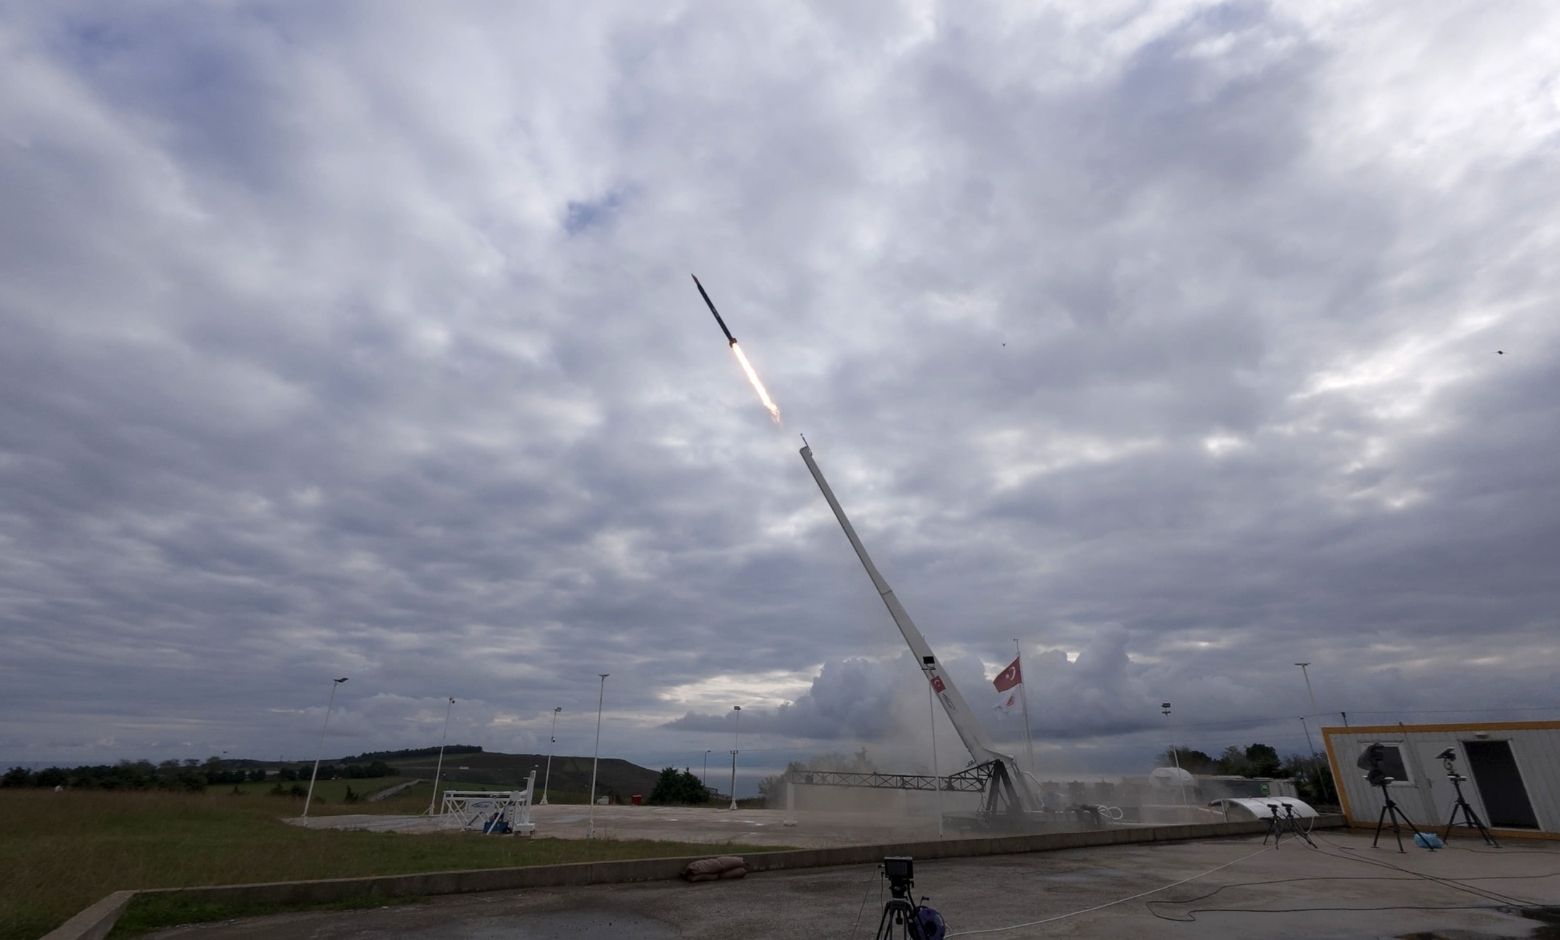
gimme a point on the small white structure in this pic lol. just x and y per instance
(1171, 778)
(1510, 774)
(1246, 808)
(500, 812)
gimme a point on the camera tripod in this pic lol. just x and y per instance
(1470, 818)
(1390, 810)
(1289, 822)
(903, 919)
(898, 920)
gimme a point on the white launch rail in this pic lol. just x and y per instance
(1008, 790)
(482, 809)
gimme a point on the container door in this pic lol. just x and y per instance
(1500, 784)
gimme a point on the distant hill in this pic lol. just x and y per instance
(616, 778)
(411, 752)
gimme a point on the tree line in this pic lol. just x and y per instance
(674, 788)
(188, 775)
(409, 752)
(1313, 781)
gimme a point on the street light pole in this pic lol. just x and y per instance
(439, 768)
(1164, 709)
(552, 739)
(1316, 761)
(706, 776)
(735, 739)
(1307, 676)
(330, 703)
(590, 824)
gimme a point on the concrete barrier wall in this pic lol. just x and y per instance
(95, 922)
(283, 893)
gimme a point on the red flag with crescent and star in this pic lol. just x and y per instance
(1009, 677)
(1007, 682)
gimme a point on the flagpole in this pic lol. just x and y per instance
(931, 711)
(1023, 698)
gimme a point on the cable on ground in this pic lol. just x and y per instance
(1100, 907)
(864, 895)
(1445, 882)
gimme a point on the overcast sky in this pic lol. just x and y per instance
(1180, 341)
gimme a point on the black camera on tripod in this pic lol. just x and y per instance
(899, 871)
(1448, 760)
(903, 919)
(1471, 818)
(1373, 760)
(1370, 761)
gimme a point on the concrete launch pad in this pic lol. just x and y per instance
(801, 829)
(1342, 889)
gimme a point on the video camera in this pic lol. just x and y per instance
(1370, 761)
(899, 871)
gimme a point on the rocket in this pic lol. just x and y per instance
(732, 340)
(741, 357)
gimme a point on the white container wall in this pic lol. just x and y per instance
(1512, 770)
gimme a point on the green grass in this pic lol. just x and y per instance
(149, 913)
(60, 852)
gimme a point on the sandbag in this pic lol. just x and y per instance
(713, 869)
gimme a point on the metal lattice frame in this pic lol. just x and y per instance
(475, 809)
(972, 780)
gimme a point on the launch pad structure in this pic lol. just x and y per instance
(1009, 799)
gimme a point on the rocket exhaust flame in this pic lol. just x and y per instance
(742, 359)
(763, 393)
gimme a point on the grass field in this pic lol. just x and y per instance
(60, 852)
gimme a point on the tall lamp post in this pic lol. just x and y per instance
(1315, 759)
(1164, 709)
(736, 737)
(590, 824)
(552, 739)
(439, 767)
(329, 704)
(1307, 676)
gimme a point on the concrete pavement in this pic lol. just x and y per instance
(1237, 888)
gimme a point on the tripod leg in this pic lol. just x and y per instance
(1488, 836)
(885, 929)
(1294, 827)
(1390, 813)
(897, 920)
(1399, 814)
(1474, 821)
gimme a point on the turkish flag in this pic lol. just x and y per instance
(1009, 677)
(937, 684)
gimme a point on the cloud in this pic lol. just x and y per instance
(1164, 334)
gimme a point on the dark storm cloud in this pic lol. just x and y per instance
(364, 344)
